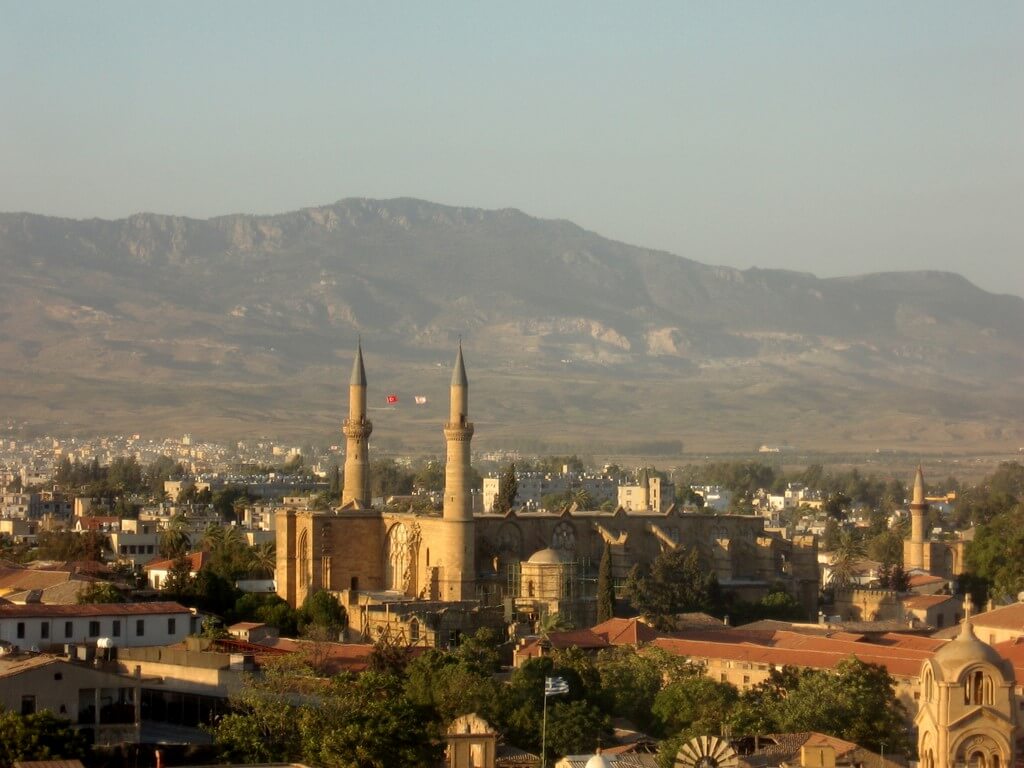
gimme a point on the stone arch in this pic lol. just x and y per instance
(564, 537)
(305, 570)
(928, 684)
(980, 749)
(979, 688)
(400, 550)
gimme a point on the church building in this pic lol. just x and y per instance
(428, 577)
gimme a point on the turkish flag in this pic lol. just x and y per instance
(392, 399)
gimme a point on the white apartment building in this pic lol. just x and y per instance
(46, 627)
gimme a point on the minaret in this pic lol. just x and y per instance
(357, 431)
(918, 512)
(458, 563)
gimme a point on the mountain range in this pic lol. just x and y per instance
(243, 326)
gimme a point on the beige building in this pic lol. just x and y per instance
(920, 553)
(650, 493)
(373, 559)
(968, 710)
(104, 704)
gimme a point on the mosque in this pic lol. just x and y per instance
(428, 577)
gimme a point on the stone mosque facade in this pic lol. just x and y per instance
(431, 576)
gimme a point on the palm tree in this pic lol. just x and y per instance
(845, 560)
(175, 539)
(582, 498)
(263, 560)
(213, 537)
(552, 622)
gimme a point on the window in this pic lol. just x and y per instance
(117, 628)
(94, 629)
(414, 631)
(28, 705)
(172, 626)
(69, 629)
(140, 627)
(21, 630)
(44, 630)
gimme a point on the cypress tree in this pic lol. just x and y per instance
(605, 586)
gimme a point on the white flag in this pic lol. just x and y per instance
(553, 686)
(420, 399)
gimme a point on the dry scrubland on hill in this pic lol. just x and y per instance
(244, 325)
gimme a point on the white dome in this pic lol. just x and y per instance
(549, 557)
(599, 761)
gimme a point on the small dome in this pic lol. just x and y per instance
(964, 650)
(599, 761)
(549, 557)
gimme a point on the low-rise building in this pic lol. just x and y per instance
(44, 627)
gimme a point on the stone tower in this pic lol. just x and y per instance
(967, 712)
(457, 565)
(357, 429)
(918, 514)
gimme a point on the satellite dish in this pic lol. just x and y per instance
(706, 752)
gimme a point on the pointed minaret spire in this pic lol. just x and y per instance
(458, 544)
(357, 429)
(918, 497)
(358, 378)
(459, 371)
(918, 513)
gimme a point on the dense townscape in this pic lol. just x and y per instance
(269, 603)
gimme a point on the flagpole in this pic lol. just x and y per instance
(544, 729)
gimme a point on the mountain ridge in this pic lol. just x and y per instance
(233, 303)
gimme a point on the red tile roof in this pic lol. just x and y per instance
(800, 651)
(1006, 617)
(921, 579)
(196, 562)
(926, 601)
(93, 609)
(624, 632)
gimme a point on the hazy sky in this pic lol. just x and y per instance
(831, 137)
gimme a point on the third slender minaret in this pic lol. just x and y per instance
(357, 429)
(918, 513)
(457, 577)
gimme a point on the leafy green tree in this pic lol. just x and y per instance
(367, 722)
(694, 706)
(69, 545)
(675, 583)
(998, 549)
(39, 736)
(856, 702)
(261, 727)
(179, 577)
(629, 682)
(389, 479)
(605, 586)
(100, 592)
(268, 609)
(508, 488)
(575, 727)
(451, 687)
(162, 468)
(323, 609)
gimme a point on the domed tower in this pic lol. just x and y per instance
(918, 516)
(966, 715)
(458, 555)
(357, 429)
